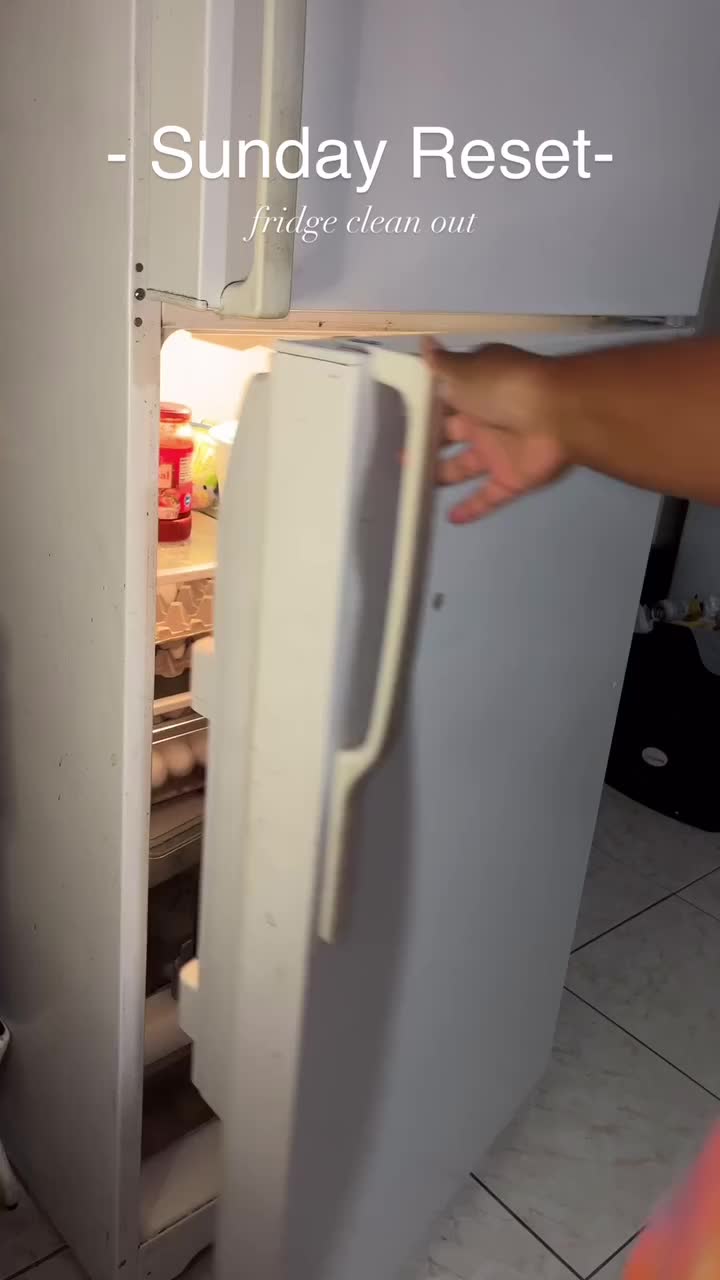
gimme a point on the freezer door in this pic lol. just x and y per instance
(566, 160)
(622, 98)
(221, 71)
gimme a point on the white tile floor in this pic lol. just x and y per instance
(633, 1086)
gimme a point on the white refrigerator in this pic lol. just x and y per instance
(408, 723)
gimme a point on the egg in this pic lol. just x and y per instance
(177, 651)
(159, 770)
(198, 743)
(178, 758)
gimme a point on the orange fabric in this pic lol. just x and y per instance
(683, 1242)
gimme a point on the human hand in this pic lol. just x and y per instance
(494, 405)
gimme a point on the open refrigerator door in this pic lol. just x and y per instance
(289, 741)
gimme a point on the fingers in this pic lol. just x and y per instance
(459, 428)
(462, 465)
(466, 426)
(473, 460)
(489, 497)
(456, 470)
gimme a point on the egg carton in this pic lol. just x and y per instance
(184, 609)
(173, 658)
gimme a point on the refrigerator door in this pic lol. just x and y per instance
(358, 1082)
(278, 683)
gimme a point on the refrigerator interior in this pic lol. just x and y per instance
(180, 1142)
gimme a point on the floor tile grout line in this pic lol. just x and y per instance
(558, 1257)
(702, 910)
(615, 1255)
(620, 923)
(645, 1045)
(673, 893)
(651, 879)
(39, 1262)
(690, 883)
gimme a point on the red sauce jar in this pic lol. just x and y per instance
(175, 473)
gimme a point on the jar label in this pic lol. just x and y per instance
(174, 483)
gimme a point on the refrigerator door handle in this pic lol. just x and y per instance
(267, 289)
(411, 379)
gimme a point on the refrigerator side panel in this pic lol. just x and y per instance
(75, 624)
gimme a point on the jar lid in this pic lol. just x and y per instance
(170, 412)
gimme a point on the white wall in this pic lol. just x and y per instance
(211, 379)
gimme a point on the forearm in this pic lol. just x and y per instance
(649, 414)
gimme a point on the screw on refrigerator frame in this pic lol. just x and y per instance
(438, 600)
(137, 322)
(139, 266)
(139, 294)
